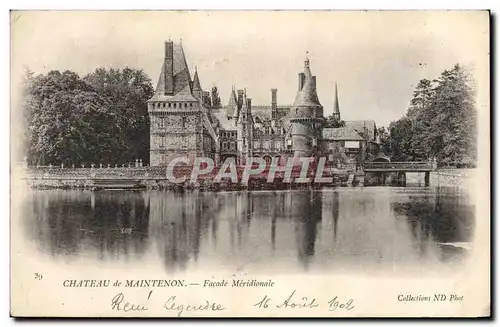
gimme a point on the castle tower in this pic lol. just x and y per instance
(306, 115)
(178, 124)
(244, 125)
(336, 108)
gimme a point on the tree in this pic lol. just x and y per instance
(454, 127)
(332, 122)
(99, 119)
(127, 91)
(384, 139)
(68, 121)
(216, 103)
(400, 140)
(440, 122)
(420, 113)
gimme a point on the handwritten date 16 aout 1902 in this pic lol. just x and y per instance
(296, 302)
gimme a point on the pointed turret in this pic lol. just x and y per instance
(196, 81)
(174, 83)
(232, 105)
(306, 102)
(336, 107)
(197, 90)
(306, 115)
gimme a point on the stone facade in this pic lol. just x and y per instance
(183, 122)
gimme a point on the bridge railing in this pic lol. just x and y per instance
(407, 165)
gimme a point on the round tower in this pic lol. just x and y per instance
(306, 115)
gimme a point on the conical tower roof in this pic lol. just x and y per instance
(181, 79)
(196, 81)
(306, 102)
(336, 107)
(232, 105)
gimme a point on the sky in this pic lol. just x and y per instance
(376, 58)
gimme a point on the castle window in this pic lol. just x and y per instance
(162, 142)
(185, 105)
(163, 104)
(175, 105)
(183, 122)
(190, 104)
(169, 105)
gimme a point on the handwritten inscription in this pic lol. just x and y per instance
(118, 303)
(294, 301)
(172, 305)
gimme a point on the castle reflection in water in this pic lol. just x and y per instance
(305, 229)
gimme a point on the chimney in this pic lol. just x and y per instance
(302, 78)
(240, 98)
(274, 101)
(169, 68)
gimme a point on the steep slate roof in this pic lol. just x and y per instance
(182, 79)
(363, 126)
(224, 122)
(307, 97)
(196, 82)
(264, 112)
(341, 134)
(232, 105)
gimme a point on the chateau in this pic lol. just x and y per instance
(183, 122)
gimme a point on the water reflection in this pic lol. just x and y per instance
(306, 229)
(442, 217)
(77, 222)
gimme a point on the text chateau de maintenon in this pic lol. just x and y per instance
(185, 123)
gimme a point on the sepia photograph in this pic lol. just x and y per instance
(250, 163)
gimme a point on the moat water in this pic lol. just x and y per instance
(322, 230)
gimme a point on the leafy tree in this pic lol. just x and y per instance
(332, 122)
(127, 91)
(384, 139)
(68, 121)
(440, 122)
(400, 140)
(453, 131)
(99, 119)
(421, 112)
